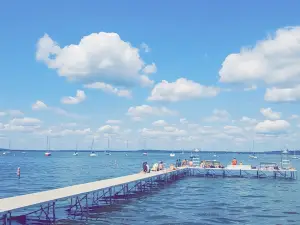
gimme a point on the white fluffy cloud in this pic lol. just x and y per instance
(12, 112)
(234, 130)
(113, 121)
(160, 123)
(41, 106)
(218, 116)
(26, 121)
(283, 94)
(109, 129)
(149, 69)
(163, 133)
(246, 119)
(272, 126)
(183, 121)
(274, 60)
(269, 114)
(98, 56)
(181, 89)
(80, 97)
(146, 110)
(109, 89)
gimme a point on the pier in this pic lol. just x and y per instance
(79, 201)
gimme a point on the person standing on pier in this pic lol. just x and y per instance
(234, 162)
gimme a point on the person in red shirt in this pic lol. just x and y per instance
(234, 162)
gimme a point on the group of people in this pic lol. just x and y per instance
(156, 167)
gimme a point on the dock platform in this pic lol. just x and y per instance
(81, 200)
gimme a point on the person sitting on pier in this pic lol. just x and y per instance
(155, 167)
(234, 162)
(145, 169)
(161, 165)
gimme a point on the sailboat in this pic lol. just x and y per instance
(172, 154)
(252, 156)
(48, 153)
(294, 156)
(76, 153)
(215, 155)
(106, 152)
(182, 153)
(197, 150)
(92, 154)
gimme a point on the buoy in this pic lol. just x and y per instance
(18, 172)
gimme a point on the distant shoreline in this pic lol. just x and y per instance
(297, 152)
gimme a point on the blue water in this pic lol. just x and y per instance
(192, 200)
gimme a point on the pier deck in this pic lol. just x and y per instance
(80, 200)
(17, 202)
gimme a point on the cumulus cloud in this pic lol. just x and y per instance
(149, 69)
(246, 119)
(57, 132)
(25, 124)
(103, 57)
(113, 121)
(273, 60)
(218, 116)
(233, 130)
(272, 126)
(181, 89)
(41, 106)
(183, 121)
(160, 123)
(12, 112)
(269, 114)
(163, 133)
(80, 97)
(146, 110)
(26, 121)
(109, 129)
(109, 89)
(283, 94)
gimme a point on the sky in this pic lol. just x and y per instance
(156, 74)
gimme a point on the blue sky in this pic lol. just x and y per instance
(204, 75)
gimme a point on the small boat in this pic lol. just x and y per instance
(48, 153)
(107, 153)
(75, 153)
(253, 156)
(4, 153)
(197, 150)
(23, 152)
(93, 154)
(182, 153)
(294, 156)
(172, 154)
(145, 153)
(215, 155)
(126, 154)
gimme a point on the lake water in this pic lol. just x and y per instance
(192, 200)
